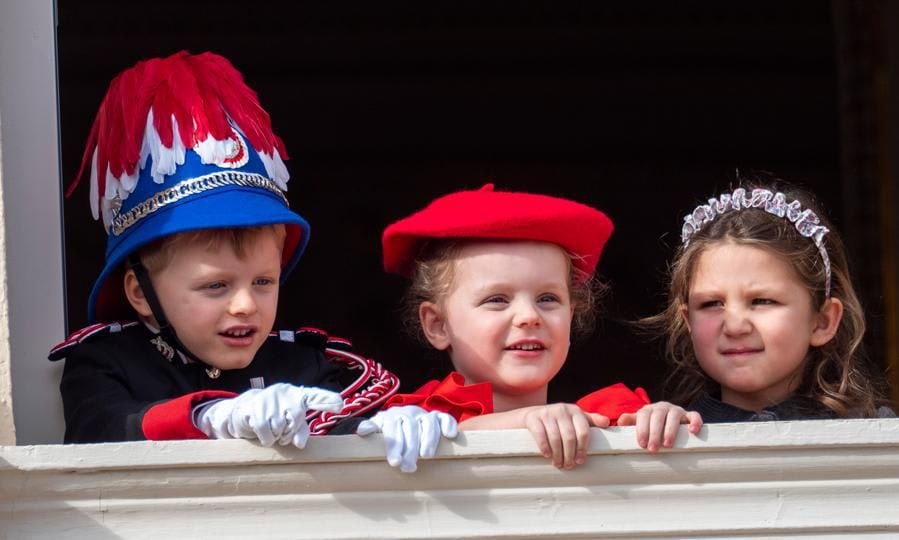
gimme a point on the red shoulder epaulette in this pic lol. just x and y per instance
(86, 334)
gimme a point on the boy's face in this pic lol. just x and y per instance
(507, 317)
(222, 306)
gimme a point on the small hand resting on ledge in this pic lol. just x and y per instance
(277, 414)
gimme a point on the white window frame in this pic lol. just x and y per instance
(32, 294)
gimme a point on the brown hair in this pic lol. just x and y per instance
(836, 373)
(157, 255)
(433, 279)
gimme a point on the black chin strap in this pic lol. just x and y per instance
(165, 328)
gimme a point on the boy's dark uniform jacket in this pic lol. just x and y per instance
(119, 385)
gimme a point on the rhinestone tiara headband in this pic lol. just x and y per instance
(805, 221)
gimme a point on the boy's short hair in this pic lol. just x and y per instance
(157, 255)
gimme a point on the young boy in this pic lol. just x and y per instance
(189, 179)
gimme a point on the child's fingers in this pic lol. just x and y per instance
(449, 427)
(409, 431)
(657, 419)
(554, 438)
(641, 426)
(301, 436)
(598, 420)
(695, 421)
(262, 428)
(672, 423)
(428, 434)
(538, 432)
(394, 441)
(582, 432)
(319, 399)
(569, 438)
(626, 419)
(262, 417)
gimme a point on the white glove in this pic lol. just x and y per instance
(276, 413)
(409, 432)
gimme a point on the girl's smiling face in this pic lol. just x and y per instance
(506, 319)
(752, 323)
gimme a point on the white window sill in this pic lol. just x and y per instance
(812, 479)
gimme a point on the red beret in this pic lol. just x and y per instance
(499, 215)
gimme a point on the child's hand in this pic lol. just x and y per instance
(276, 413)
(562, 432)
(409, 432)
(657, 424)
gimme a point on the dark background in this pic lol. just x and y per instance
(640, 109)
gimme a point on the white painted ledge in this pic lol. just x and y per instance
(813, 479)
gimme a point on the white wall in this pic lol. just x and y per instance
(31, 217)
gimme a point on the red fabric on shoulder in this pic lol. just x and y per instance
(451, 395)
(614, 400)
(171, 420)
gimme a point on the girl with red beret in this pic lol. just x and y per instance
(498, 280)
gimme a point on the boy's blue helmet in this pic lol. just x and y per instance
(182, 144)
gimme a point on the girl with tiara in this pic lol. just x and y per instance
(762, 321)
(498, 280)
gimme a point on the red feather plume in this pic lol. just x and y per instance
(201, 92)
